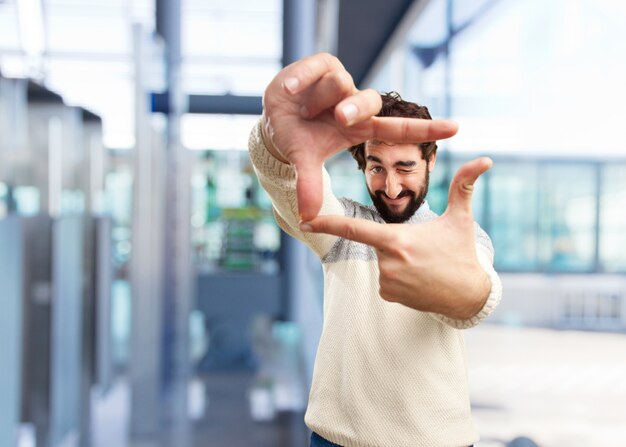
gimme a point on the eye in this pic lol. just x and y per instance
(406, 171)
(376, 170)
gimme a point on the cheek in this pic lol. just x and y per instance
(415, 182)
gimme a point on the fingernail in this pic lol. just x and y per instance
(349, 112)
(306, 227)
(291, 84)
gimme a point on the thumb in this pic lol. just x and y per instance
(309, 189)
(462, 185)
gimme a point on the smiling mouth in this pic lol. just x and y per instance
(401, 199)
(396, 201)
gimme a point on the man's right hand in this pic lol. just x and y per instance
(312, 110)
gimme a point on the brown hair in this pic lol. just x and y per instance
(394, 105)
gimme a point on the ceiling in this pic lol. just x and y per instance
(365, 27)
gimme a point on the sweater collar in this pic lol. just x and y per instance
(421, 214)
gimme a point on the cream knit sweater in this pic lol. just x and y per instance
(385, 375)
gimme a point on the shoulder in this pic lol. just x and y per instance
(345, 249)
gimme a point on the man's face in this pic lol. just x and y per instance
(397, 178)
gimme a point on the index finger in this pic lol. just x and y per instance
(410, 130)
(358, 230)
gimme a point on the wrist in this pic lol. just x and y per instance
(266, 133)
(479, 293)
(467, 302)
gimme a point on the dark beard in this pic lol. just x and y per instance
(414, 204)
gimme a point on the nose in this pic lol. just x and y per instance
(392, 186)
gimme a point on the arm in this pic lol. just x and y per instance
(488, 294)
(278, 178)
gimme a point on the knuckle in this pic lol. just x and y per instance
(467, 188)
(464, 186)
(350, 232)
(395, 253)
(346, 82)
(375, 96)
(375, 130)
(342, 81)
(386, 273)
(406, 129)
(329, 59)
(321, 227)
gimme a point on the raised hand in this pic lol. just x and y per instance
(431, 266)
(313, 110)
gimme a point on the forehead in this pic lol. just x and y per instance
(390, 152)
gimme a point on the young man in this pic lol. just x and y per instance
(390, 368)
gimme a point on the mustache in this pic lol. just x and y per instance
(404, 193)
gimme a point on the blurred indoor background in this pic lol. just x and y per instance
(149, 299)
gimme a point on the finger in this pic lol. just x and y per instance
(462, 185)
(407, 130)
(358, 107)
(359, 230)
(302, 74)
(309, 189)
(326, 93)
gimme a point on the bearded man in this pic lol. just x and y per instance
(399, 281)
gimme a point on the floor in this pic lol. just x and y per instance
(556, 388)
(227, 421)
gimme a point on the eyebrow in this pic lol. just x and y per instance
(404, 164)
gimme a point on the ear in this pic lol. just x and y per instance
(432, 162)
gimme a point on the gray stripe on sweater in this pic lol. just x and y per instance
(346, 250)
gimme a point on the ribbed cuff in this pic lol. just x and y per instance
(495, 295)
(264, 161)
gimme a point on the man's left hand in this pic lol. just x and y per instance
(432, 266)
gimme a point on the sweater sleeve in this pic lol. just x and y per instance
(279, 181)
(485, 254)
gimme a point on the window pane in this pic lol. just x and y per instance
(512, 215)
(567, 209)
(613, 219)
